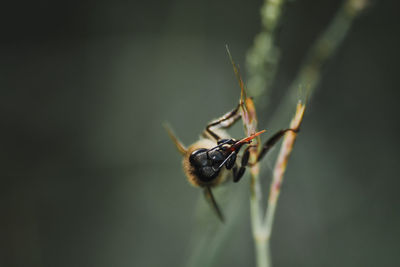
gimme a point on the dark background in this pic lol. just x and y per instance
(89, 177)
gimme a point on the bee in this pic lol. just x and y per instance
(214, 158)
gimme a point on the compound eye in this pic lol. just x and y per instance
(195, 154)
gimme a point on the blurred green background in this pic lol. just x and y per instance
(90, 178)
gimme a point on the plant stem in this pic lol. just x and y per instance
(325, 47)
(262, 58)
(261, 226)
(256, 219)
(262, 253)
(262, 61)
(280, 168)
(309, 75)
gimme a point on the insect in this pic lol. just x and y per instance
(214, 158)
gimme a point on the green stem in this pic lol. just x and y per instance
(309, 75)
(322, 50)
(269, 219)
(260, 238)
(261, 64)
(262, 61)
(262, 58)
(263, 253)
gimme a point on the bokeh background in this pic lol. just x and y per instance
(90, 178)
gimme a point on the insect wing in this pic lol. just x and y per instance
(210, 199)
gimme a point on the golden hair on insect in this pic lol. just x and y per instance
(214, 158)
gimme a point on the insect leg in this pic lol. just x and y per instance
(272, 141)
(181, 148)
(225, 121)
(210, 198)
(238, 173)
